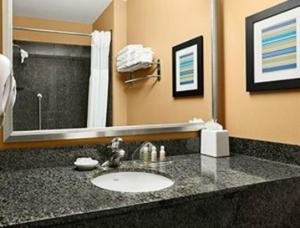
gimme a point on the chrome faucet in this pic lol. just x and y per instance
(117, 154)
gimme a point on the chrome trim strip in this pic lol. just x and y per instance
(67, 134)
(50, 31)
(215, 60)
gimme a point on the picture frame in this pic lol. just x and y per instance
(273, 48)
(188, 72)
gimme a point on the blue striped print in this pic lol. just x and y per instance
(187, 82)
(284, 67)
(275, 39)
(183, 64)
(279, 52)
(293, 21)
(283, 35)
(187, 55)
(280, 40)
(183, 73)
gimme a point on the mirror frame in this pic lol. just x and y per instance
(66, 134)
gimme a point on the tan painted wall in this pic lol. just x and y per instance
(272, 116)
(106, 20)
(54, 25)
(162, 25)
(120, 40)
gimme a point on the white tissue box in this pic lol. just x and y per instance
(215, 143)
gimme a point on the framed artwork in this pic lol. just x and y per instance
(273, 48)
(188, 68)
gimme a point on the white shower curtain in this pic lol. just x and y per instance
(99, 79)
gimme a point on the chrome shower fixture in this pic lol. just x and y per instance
(24, 54)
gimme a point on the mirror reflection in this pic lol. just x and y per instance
(102, 63)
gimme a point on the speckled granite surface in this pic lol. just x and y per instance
(268, 150)
(61, 195)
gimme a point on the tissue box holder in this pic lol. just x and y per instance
(215, 143)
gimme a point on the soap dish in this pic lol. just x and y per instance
(84, 164)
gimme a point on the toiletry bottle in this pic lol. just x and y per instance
(141, 154)
(154, 154)
(162, 153)
(146, 155)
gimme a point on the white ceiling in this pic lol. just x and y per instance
(81, 11)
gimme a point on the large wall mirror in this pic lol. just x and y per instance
(60, 47)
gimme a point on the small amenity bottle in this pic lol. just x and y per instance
(154, 154)
(146, 155)
(162, 154)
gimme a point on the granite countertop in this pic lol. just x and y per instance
(61, 194)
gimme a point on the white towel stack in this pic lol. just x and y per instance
(134, 57)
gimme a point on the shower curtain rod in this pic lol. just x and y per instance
(50, 31)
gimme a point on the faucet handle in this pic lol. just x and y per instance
(115, 142)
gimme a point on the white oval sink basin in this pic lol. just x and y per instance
(132, 182)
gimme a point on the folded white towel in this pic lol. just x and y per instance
(134, 57)
(130, 48)
(147, 49)
(132, 52)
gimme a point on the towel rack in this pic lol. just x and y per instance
(157, 76)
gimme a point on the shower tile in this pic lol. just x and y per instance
(62, 80)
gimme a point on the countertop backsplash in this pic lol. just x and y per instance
(279, 152)
(19, 159)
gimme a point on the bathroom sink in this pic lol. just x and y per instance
(135, 182)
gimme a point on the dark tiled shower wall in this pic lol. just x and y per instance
(61, 74)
